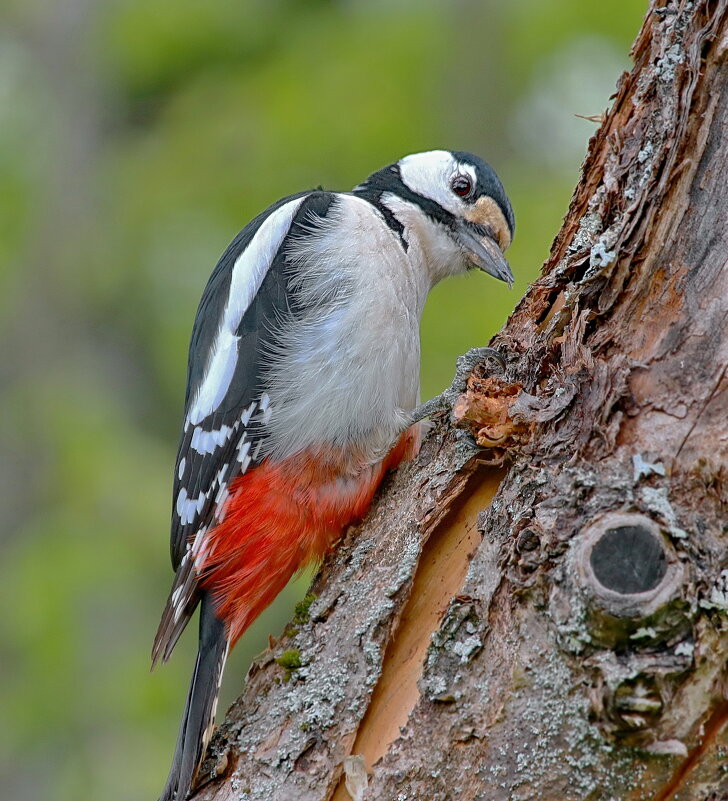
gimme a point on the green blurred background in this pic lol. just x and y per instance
(136, 138)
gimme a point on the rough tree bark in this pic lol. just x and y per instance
(546, 617)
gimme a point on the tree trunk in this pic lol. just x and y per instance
(546, 616)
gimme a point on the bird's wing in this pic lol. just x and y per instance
(234, 333)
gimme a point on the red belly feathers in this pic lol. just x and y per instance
(280, 517)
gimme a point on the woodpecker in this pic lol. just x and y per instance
(302, 391)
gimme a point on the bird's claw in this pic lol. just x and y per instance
(464, 369)
(469, 361)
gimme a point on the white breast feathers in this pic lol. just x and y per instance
(346, 373)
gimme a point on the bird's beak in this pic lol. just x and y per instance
(483, 251)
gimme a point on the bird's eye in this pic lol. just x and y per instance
(461, 185)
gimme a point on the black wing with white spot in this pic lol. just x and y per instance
(235, 328)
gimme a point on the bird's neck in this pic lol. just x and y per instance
(430, 246)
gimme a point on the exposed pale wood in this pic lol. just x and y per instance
(439, 578)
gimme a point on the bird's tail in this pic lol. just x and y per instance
(199, 715)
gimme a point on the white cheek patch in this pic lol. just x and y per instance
(248, 273)
(429, 174)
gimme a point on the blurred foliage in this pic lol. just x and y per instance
(136, 138)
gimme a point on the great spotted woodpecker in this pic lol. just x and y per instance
(302, 387)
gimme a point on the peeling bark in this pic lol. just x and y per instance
(547, 617)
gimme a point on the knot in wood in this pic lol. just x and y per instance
(634, 581)
(629, 559)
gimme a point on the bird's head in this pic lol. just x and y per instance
(454, 204)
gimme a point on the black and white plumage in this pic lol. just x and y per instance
(226, 399)
(246, 294)
(306, 342)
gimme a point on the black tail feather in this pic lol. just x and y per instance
(181, 605)
(199, 714)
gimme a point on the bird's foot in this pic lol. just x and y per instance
(464, 369)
